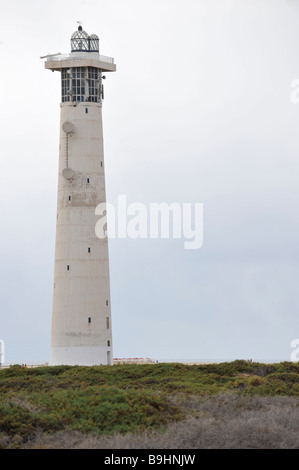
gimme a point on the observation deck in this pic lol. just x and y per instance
(57, 62)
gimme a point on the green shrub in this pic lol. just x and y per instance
(128, 397)
(256, 381)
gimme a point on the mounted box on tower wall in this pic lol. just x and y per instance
(81, 317)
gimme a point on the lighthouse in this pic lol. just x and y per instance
(81, 332)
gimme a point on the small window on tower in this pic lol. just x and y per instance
(89, 319)
(107, 323)
(88, 249)
(107, 302)
(68, 267)
(87, 180)
(108, 343)
(70, 197)
(86, 110)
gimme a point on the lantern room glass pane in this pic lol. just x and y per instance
(94, 43)
(80, 41)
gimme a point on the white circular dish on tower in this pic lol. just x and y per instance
(68, 127)
(67, 173)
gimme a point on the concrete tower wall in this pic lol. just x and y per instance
(81, 317)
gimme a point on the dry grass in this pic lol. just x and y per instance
(225, 421)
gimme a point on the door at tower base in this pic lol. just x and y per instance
(80, 356)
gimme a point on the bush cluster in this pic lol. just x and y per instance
(103, 400)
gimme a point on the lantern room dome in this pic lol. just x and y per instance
(79, 40)
(94, 43)
(82, 42)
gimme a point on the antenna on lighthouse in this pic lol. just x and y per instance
(50, 55)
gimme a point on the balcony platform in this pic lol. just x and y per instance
(80, 59)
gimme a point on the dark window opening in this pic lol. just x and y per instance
(70, 197)
(106, 302)
(108, 343)
(94, 79)
(68, 267)
(88, 250)
(107, 323)
(89, 319)
(86, 110)
(87, 180)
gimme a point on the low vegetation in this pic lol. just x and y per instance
(234, 404)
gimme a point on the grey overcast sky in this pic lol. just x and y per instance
(199, 110)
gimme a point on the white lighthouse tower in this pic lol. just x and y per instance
(81, 317)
